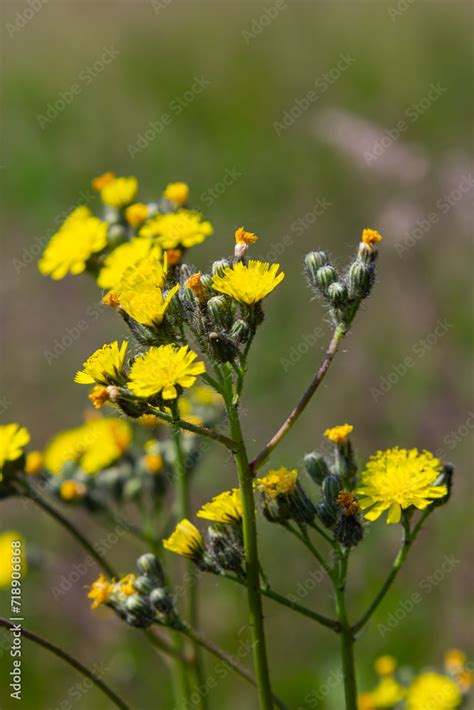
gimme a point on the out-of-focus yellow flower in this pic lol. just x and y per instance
(101, 181)
(126, 585)
(454, 661)
(13, 439)
(186, 541)
(385, 665)
(339, 434)
(205, 396)
(277, 482)
(177, 193)
(73, 244)
(248, 283)
(34, 463)
(224, 508)
(397, 479)
(153, 463)
(184, 228)
(162, 369)
(387, 693)
(121, 259)
(119, 192)
(99, 396)
(8, 545)
(136, 214)
(366, 702)
(72, 490)
(371, 237)
(99, 591)
(104, 366)
(149, 420)
(433, 691)
(244, 237)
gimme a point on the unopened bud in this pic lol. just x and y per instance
(337, 293)
(361, 278)
(219, 266)
(150, 565)
(312, 262)
(327, 514)
(325, 276)
(240, 331)
(316, 466)
(348, 531)
(220, 312)
(162, 601)
(331, 488)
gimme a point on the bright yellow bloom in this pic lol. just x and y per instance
(99, 591)
(184, 228)
(385, 665)
(386, 694)
(72, 490)
(397, 479)
(433, 691)
(103, 366)
(153, 463)
(99, 396)
(93, 446)
(186, 540)
(126, 585)
(224, 508)
(454, 661)
(147, 307)
(339, 434)
(6, 549)
(136, 214)
(102, 180)
(34, 463)
(68, 250)
(281, 481)
(371, 237)
(121, 259)
(119, 192)
(160, 370)
(244, 237)
(248, 283)
(177, 192)
(13, 439)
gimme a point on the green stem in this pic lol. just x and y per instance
(347, 639)
(303, 536)
(77, 665)
(251, 551)
(179, 674)
(203, 431)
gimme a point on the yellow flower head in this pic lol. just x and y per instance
(196, 285)
(339, 434)
(184, 228)
(177, 193)
(385, 665)
(119, 192)
(387, 693)
(244, 237)
(72, 490)
(186, 540)
(224, 508)
(349, 505)
(153, 463)
(279, 482)
(99, 591)
(68, 250)
(136, 214)
(397, 479)
(121, 259)
(248, 283)
(161, 369)
(34, 463)
(102, 180)
(433, 691)
(104, 366)
(126, 585)
(454, 661)
(13, 439)
(99, 396)
(9, 545)
(371, 237)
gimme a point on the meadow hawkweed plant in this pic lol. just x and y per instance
(161, 397)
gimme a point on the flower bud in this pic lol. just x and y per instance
(325, 276)
(224, 548)
(337, 293)
(444, 479)
(220, 312)
(223, 347)
(240, 331)
(139, 612)
(331, 488)
(219, 266)
(162, 601)
(361, 278)
(327, 514)
(366, 253)
(348, 531)
(116, 235)
(150, 565)
(316, 466)
(312, 262)
(143, 584)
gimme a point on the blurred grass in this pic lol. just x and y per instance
(229, 127)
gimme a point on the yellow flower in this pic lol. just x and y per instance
(385, 665)
(121, 259)
(224, 508)
(186, 540)
(160, 370)
(99, 396)
(339, 434)
(397, 479)
(205, 396)
(119, 192)
(102, 180)
(68, 250)
(184, 228)
(34, 463)
(387, 693)
(281, 481)
(13, 439)
(177, 192)
(103, 366)
(153, 463)
(371, 237)
(196, 285)
(248, 283)
(99, 591)
(126, 585)
(454, 661)
(136, 214)
(72, 490)
(9, 545)
(433, 691)
(244, 237)
(366, 702)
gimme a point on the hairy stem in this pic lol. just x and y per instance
(194, 428)
(347, 639)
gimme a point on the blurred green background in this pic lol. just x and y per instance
(383, 141)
